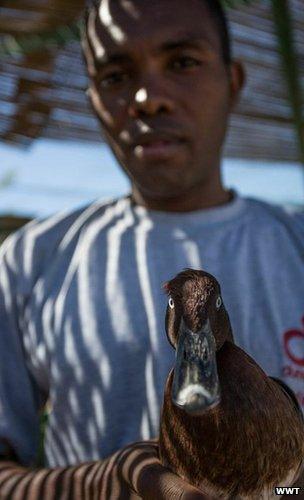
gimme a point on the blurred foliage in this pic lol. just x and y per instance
(43, 422)
(7, 179)
(27, 44)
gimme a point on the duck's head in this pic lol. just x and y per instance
(197, 325)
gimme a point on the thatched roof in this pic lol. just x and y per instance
(43, 94)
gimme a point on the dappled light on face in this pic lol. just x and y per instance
(99, 50)
(130, 8)
(89, 56)
(125, 137)
(106, 20)
(121, 101)
(104, 114)
(139, 151)
(143, 127)
(141, 96)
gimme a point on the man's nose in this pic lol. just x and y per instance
(150, 100)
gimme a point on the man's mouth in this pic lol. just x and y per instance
(157, 149)
(157, 146)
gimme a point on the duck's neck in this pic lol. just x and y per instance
(180, 433)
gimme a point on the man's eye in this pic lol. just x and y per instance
(113, 79)
(184, 62)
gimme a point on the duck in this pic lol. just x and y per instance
(225, 427)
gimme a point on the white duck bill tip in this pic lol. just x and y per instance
(191, 392)
(196, 400)
(195, 386)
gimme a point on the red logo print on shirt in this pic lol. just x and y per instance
(288, 337)
(295, 369)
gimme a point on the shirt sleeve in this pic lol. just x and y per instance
(20, 398)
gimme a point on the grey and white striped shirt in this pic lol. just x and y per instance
(82, 315)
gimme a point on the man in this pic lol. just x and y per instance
(82, 312)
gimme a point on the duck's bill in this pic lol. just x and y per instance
(195, 386)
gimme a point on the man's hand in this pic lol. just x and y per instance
(131, 473)
(138, 473)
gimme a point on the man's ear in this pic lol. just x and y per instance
(237, 82)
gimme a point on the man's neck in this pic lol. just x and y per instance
(198, 199)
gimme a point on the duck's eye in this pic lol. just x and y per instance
(171, 303)
(218, 302)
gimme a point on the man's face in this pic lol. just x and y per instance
(161, 90)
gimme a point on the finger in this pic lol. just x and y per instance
(132, 459)
(114, 477)
(155, 481)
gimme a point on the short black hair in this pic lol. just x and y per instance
(217, 11)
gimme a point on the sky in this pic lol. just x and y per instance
(52, 176)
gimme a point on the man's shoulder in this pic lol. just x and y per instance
(269, 215)
(37, 242)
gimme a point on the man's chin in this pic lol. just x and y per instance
(162, 192)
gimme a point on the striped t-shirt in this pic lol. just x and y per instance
(82, 315)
